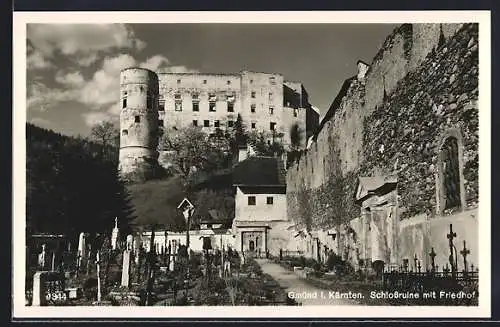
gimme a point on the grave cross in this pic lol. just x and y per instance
(450, 237)
(446, 269)
(415, 261)
(464, 253)
(472, 267)
(432, 254)
(419, 267)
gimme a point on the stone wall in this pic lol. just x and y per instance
(420, 87)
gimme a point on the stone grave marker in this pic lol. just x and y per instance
(48, 288)
(126, 268)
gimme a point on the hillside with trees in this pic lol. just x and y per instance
(73, 185)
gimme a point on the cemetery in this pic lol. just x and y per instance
(106, 271)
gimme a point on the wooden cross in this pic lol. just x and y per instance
(432, 254)
(464, 253)
(450, 237)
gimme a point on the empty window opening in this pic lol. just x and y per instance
(211, 106)
(125, 132)
(195, 123)
(124, 103)
(251, 200)
(206, 123)
(270, 200)
(196, 106)
(252, 108)
(137, 119)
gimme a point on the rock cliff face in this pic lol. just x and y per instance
(421, 86)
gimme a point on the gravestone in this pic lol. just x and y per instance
(114, 235)
(42, 258)
(48, 288)
(126, 268)
(130, 242)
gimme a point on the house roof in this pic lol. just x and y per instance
(259, 171)
(369, 185)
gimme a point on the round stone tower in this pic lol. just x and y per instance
(138, 124)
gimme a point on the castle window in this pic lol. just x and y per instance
(125, 132)
(230, 123)
(252, 108)
(161, 106)
(253, 125)
(124, 103)
(251, 81)
(230, 107)
(206, 123)
(295, 112)
(178, 81)
(228, 82)
(204, 81)
(137, 119)
(216, 123)
(178, 106)
(141, 88)
(270, 200)
(272, 126)
(271, 110)
(195, 122)
(195, 96)
(211, 106)
(253, 94)
(251, 200)
(272, 80)
(450, 174)
(270, 97)
(160, 122)
(196, 106)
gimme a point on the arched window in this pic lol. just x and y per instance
(451, 185)
(451, 173)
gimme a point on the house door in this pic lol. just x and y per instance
(251, 246)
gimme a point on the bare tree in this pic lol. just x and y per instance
(192, 150)
(105, 133)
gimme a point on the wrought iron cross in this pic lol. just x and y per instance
(432, 254)
(464, 253)
(450, 237)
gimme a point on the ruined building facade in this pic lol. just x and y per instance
(395, 160)
(152, 103)
(266, 102)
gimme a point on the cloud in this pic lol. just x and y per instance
(35, 60)
(39, 122)
(83, 43)
(70, 79)
(95, 117)
(155, 63)
(42, 97)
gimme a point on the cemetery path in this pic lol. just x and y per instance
(312, 295)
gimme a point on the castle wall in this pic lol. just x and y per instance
(416, 92)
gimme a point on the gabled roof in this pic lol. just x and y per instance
(259, 171)
(369, 185)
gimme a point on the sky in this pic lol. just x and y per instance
(73, 69)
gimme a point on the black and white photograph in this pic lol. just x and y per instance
(280, 164)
